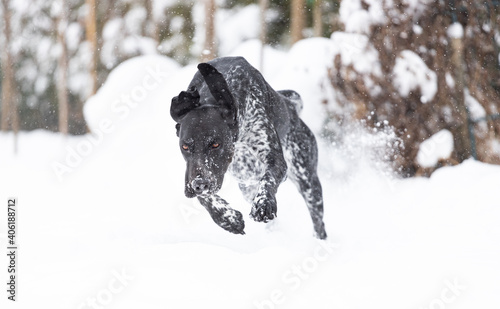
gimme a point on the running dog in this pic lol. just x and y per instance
(230, 119)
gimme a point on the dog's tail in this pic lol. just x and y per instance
(294, 98)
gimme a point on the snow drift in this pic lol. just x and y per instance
(116, 231)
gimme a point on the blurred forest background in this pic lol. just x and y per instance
(56, 54)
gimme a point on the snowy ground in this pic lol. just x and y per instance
(103, 222)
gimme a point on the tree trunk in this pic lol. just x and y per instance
(62, 84)
(297, 20)
(150, 27)
(318, 18)
(10, 119)
(462, 141)
(91, 36)
(209, 49)
(264, 4)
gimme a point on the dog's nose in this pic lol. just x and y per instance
(200, 185)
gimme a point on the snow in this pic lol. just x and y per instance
(233, 27)
(495, 145)
(411, 73)
(229, 27)
(438, 146)
(274, 60)
(356, 50)
(41, 84)
(358, 16)
(358, 20)
(123, 38)
(111, 29)
(159, 7)
(80, 81)
(450, 82)
(116, 231)
(417, 29)
(476, 110)
(304, 70)
(121, 96)
(111, 35)
(134, 19)
(73, 34)
(455, 31)
(139, 45)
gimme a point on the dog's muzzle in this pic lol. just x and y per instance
(200, 186)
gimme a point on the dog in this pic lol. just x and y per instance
(230, 119)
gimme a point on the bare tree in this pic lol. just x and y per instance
(318, 18)
(209, 49)
(91, 36)
(462, 135)
(264, 4)
(150, 25)
(62, 84)
(10, 120)
(297, 20)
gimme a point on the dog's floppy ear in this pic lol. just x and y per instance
(177, 128)
(183, 103)
(217, 86)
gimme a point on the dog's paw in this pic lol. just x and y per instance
(263, 208)
(231, 220)
(320, 233)
(235, 220)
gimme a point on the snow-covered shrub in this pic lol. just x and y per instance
(433, 64)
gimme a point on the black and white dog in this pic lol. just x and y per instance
(231, 119)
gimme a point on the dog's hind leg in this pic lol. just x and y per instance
(301, 154)
(224, 216)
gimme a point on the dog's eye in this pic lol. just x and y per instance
(185, 147)
(215, 145)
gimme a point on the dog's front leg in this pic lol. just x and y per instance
(264, 206)
(264, 203)
(224, 216)
(258, 132)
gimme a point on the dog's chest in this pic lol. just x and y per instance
(246, 166)
(252, 145)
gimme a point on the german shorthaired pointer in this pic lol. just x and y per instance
(230, 119)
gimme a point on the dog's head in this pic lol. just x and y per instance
(206, 127)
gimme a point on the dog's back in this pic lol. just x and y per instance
(243, 79)
(294, 99)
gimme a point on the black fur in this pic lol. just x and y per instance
(230, 119)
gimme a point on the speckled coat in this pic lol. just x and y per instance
(230, 119)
